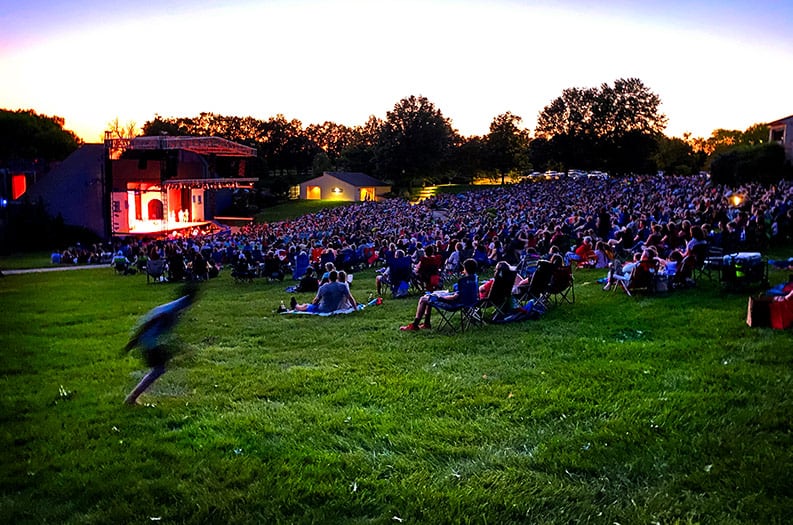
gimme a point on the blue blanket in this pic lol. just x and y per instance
(326, 314)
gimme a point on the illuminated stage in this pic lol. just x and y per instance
(162, 228)
(172, 185)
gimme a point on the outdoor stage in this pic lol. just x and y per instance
(168, 228)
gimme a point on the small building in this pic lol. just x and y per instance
(344, 186)
(781, 132)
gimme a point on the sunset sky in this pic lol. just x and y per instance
(725, 64)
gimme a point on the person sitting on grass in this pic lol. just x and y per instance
(329, 298)
(345, 302)
(467, 286)
(309, 282)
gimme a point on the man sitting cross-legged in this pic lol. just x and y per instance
(329, 296)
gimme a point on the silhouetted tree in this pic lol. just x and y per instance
(414, 142)
(613, 127)
(26, 135)
(506, 146)
(763, 163)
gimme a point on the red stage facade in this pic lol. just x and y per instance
(164, 184)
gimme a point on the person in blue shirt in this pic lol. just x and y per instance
(329, 297)
(467, 291)
(152, 334)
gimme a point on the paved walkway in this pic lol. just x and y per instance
(58, 269)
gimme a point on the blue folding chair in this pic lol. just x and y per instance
(464, 311)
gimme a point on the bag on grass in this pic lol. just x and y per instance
(758, 314)
(781, 314)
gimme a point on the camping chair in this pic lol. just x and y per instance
(464, 312)
(615, 278)
(539, 285)
(528, 264)
(400, 276)
(684, 276)
(643, 277)
(500, 297)
(429, 273)
(708, 260)
(301, 265)
(155, 270)
(562, 286)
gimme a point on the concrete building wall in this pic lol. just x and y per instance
(781, 131)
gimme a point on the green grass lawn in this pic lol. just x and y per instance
(25, 260)
(615, 409)
(296, 208)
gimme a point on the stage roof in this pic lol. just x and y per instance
(201, 145)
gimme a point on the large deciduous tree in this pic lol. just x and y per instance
(415, 141)
(506, 146)
(359, 153)
(26, 135)
(676, 156)
(611, 127)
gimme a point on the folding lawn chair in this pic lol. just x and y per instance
(616, 279)
(539, 285)
(462, 313)
(562, 287)
(155, 270)
(709, 260)
(500, 298)
(643, 277)
(400, 276)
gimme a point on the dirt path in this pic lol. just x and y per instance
(58, 269)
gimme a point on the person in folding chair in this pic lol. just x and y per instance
(499, 295)
(620, 275)
(466, 294)
(536, 287)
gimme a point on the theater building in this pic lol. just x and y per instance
(146, 185)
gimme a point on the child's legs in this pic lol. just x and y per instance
(145, 383)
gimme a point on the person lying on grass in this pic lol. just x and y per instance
(329, 298)
(153, 336)
(467, 286)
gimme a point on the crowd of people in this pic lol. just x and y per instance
(594, 220)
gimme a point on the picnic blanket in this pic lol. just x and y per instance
(326, 314)
(373, 302)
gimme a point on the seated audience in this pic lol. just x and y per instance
(428, 269)
(585, 254)
(467, 286)
(330, 297)
(309, 281)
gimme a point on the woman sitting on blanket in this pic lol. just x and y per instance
(468, 285)
(330, 297)
(345, 304)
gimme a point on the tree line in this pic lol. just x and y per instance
(616, 128)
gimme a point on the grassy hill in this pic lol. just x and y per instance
(664, 409)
